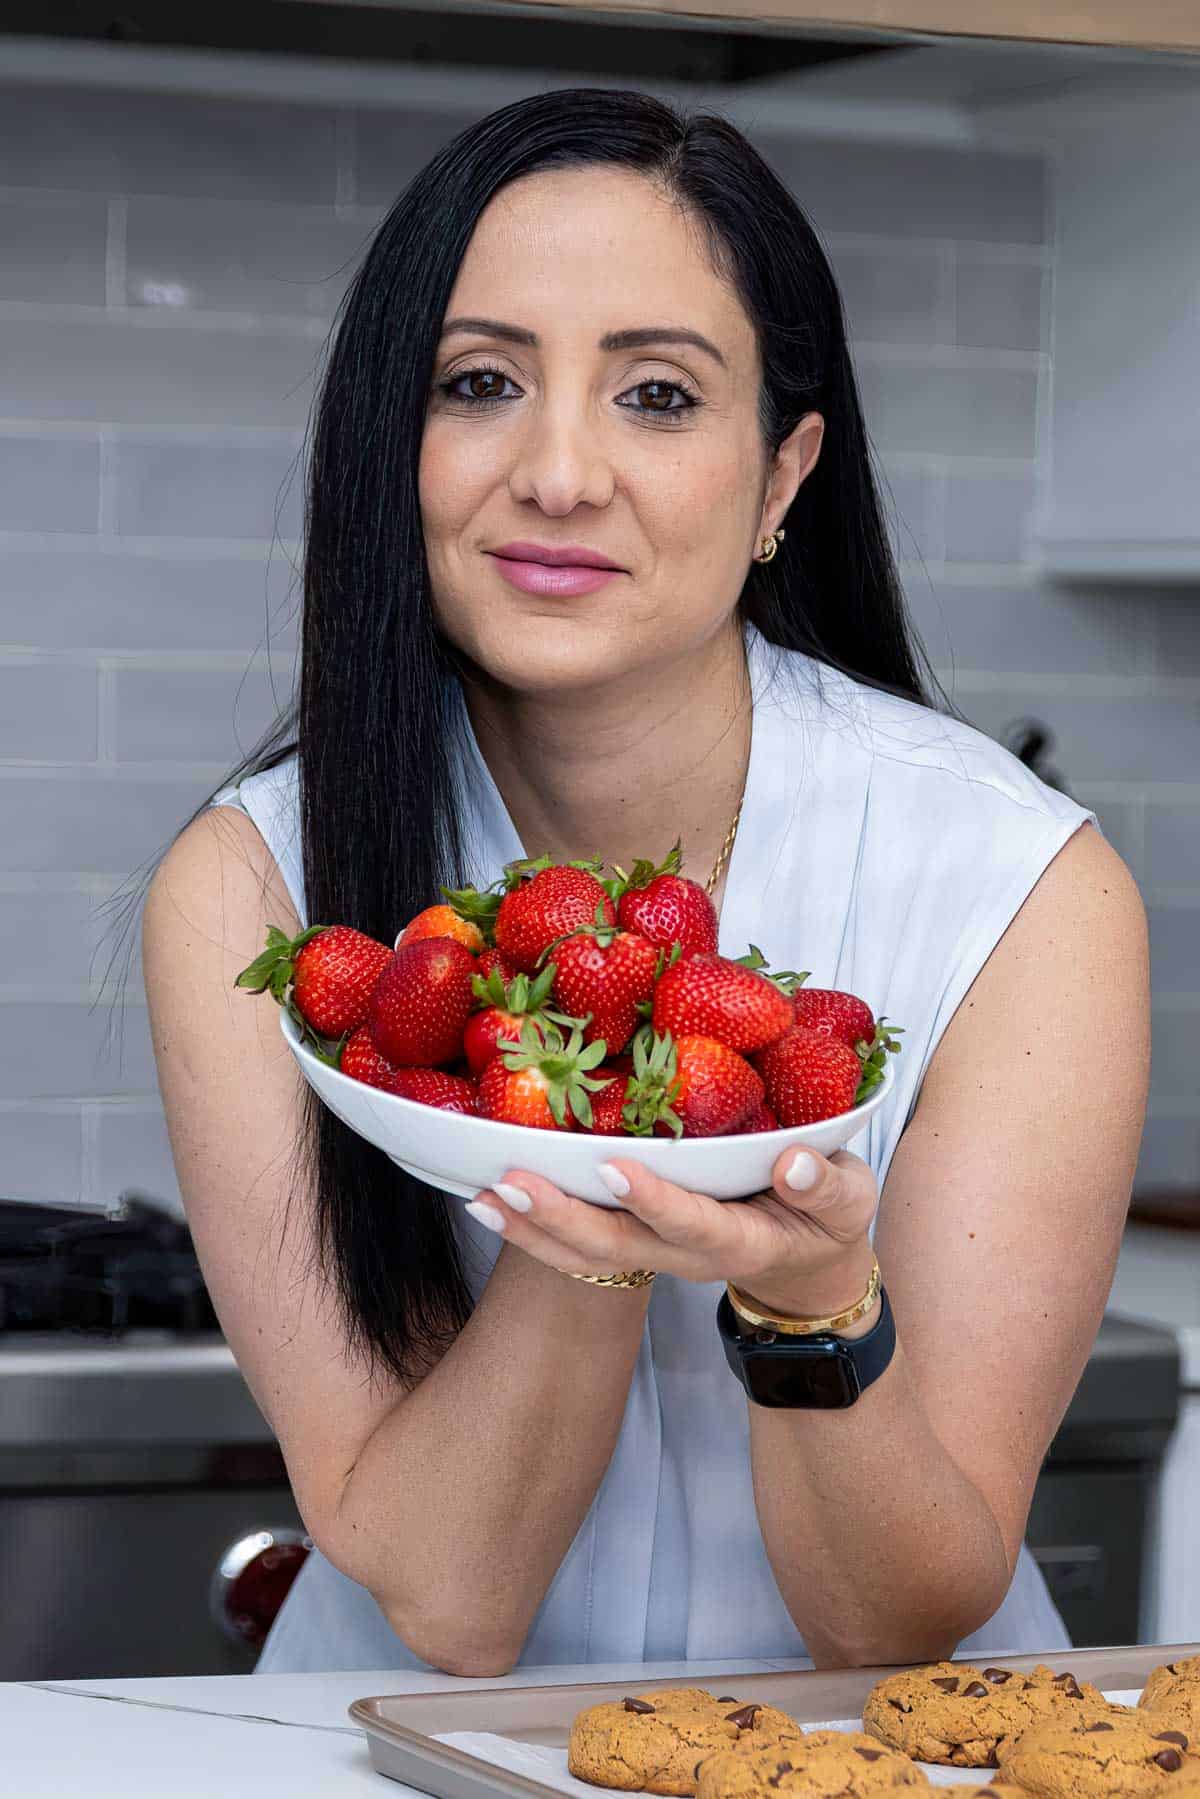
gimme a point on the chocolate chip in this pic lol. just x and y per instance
(726, 1699)
(1169, 1760)
(976, 1690)
(1093, 1728)
(946, 1685)
(637, 1705)
(744, 1717)
(997, 1676)
(898, 1705)
(869, 1755)
(1065, 1680)
(1171, 1736)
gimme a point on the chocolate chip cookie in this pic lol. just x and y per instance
(820, 1764)
(958, 1715)
(1172, 1692)
(1108, 1758)
(656, 1742)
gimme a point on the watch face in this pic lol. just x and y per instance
(819, 1376)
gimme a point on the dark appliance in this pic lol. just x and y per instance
(146, 1522)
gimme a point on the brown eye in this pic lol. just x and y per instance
(657, 396)
(485, 384)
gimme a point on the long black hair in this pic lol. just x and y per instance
(375, 714)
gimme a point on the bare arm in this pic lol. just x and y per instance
(894, 1527)
(453, 1502)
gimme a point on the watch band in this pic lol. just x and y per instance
(819, 1373)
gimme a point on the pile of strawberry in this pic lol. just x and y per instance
(564, 1001)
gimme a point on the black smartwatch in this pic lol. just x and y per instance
(821, 1373)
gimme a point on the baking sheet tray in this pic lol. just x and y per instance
(402, 1730)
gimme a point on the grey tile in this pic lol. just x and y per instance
(188, 715)
(48, 712)
(889, 298)
(153, 374)
(49, 483)
(1176, 616)
(43, 1152)
(54, 248)
(900, 190)
(912, 504)
(949, 411)
(132, 1150)
(1020, 629)
(988, 517)
(1173, 844)
(53, 936)
(61, 1051)
(1104, 739)
(78, 600)
(1170, 1155)
(113, 141)
(209, 490)
(100, 821)
(240, 257)
(1174, 1064)
(1175, 949)
(998, 305)
(390, 147)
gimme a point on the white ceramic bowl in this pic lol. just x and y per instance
(460, 1154)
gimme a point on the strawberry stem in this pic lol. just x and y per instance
(272, 971)
(564, 1065)
(643, 872)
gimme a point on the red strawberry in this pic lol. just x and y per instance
(431, 1086)
(442, 921)
(608, 973)
(557, 899)
(695, 1087)
(545, 1083)
(332, 970)
(840, 1015)
(608, 1105)
(505, 1009)
(762, 1120)
(434, 1087)
(665, 907)
(808, 1075)
(491, 958)
(709, 996)
(420, 1006)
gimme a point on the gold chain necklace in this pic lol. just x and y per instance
(723, 854)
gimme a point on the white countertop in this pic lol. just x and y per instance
(272, 1736)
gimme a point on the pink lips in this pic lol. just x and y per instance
(566, 569)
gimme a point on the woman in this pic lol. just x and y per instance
(592, 336)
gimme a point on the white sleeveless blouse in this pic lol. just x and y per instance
(886, 848)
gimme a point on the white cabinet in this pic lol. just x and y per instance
(1122, 499)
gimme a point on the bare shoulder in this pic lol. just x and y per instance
(1074, 958)
(219, 877)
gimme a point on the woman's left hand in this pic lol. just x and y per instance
(799, 1246)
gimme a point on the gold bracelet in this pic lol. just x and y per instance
(638, 1277)
(752, 1314)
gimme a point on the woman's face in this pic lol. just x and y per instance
(595, 391)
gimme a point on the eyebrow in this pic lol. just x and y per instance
(644, 337)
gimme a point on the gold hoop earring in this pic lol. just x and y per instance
(769, 546)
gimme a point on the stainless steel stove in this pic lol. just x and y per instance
(146, 1523)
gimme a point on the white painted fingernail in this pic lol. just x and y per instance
(803, 1172)
(513, 1196)
(613, 1179)
(488, 1216)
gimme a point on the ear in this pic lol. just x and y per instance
(793, 462)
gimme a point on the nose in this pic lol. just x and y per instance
(560, 461)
